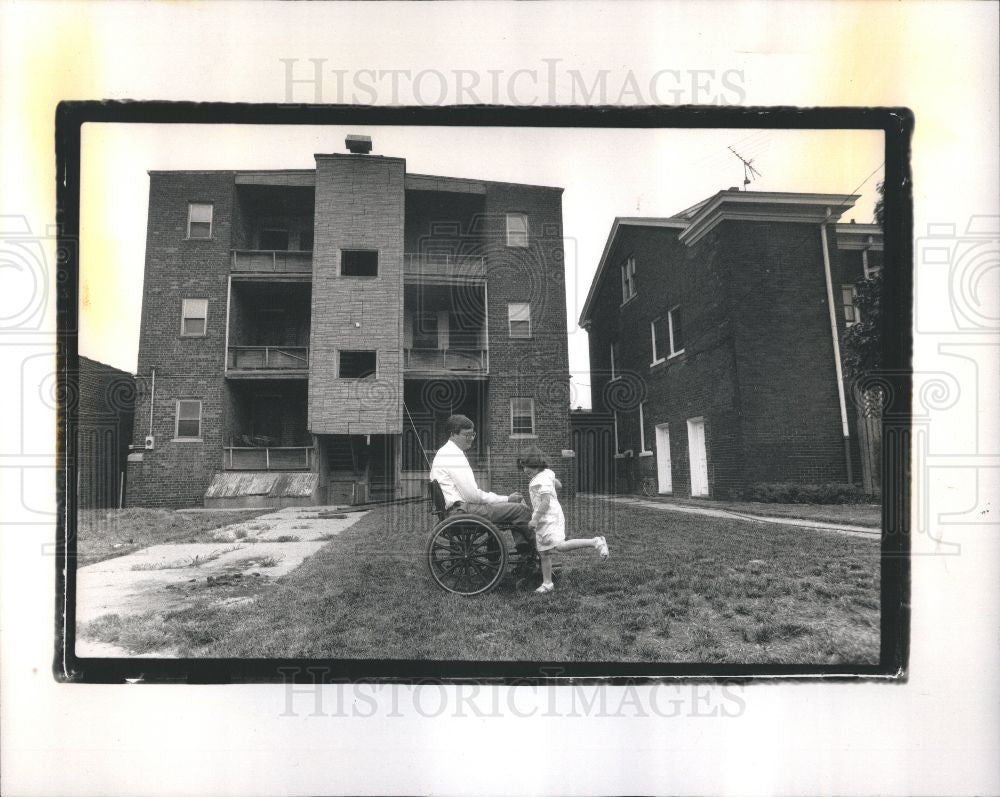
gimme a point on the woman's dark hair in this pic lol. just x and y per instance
(457, 424)
(532, 457)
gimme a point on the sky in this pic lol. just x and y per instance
(605, 173)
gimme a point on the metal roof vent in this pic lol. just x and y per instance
(359, 145)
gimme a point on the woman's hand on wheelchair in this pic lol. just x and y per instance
(515, 498)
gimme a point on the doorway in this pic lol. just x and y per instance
(697, 457)
(664, 477)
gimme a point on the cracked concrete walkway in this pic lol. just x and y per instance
(817, 525)
(159, 578)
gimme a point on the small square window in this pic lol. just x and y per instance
(199, 220)
(517, 229)
(357, 365)
(194, 317)
(359, 262)
(519, 319)
(274, 240)
(188, 420)
(522, 416)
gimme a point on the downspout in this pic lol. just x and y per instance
(845, 431)
(152, 400)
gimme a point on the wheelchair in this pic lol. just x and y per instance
(468, 554)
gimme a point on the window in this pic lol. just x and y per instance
(357, 365)
(851, 314)
(199, 220)
(628, 279)
(517, 229)
(642, 429)
(519, 319)
(676, 330)
(660, 336)
(274, 239)
(871, 269)
(614, 361)
(359, 262)
(522, 417)
(618, 448)
(194, 317)
(187, 425)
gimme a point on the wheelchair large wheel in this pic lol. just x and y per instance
(466, 554)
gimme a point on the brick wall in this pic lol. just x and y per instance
(177, 473)
(784, 352)
(535, 367)
(359, 205)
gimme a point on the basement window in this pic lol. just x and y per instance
(357, 365)
(359, 262)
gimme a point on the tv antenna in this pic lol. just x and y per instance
(749, 172)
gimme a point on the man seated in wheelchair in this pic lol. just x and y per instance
(454, 475)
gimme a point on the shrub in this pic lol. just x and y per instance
(790, 493)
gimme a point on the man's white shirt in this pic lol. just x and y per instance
(453, 473)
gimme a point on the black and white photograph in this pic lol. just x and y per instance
(499, 398)
(551, 397)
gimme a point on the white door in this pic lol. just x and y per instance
(697, 457)
(666, 483)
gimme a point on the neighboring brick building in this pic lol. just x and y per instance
(105, 404)
(305, 333)
(711, 341)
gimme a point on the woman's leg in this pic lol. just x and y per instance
(572, 545)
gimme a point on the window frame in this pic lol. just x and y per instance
(510, 233)
(211, 221)
(629, 288)
(523, 435)
(674, 351)
(657, 357)
(643, 451)
(373, 376)
(851, 314)
(511, 320)
(614, 374)
(185, 317)
(378, 264)
(178, 438)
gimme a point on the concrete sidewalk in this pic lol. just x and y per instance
(817, 525)
(165, 577)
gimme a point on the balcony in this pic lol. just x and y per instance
(451, 361)
(444, 267)
(268, 360)
(268, 457)
(271, 261)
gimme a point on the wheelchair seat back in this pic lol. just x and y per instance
(437, 499)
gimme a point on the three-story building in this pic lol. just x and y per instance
(305, 333)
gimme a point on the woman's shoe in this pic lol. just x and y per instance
(545, 588)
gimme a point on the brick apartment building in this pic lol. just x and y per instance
(105, 405)
(716, 338)
(305, 333)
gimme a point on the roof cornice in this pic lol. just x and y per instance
(770, 206)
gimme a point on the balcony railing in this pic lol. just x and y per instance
(263, 358)
(271, 261)
(268, 458)
(444, 265)
(445, 360)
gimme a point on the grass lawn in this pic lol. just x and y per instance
(106, 533)
(677, 588)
